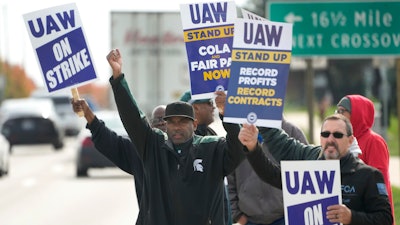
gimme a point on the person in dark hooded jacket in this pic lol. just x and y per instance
(366, 204)
(361, 113)
(118, 149)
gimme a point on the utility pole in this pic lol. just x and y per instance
(4, 32)
(310, 98)
(3, 51)
(398, 95)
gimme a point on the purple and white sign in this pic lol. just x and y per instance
(261, 58)
(309, 187)
(208, 35)
(58, 40)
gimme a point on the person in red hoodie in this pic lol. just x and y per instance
(361, 113)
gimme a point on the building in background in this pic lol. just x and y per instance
(155, 62)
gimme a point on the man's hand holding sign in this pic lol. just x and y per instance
(248, 136)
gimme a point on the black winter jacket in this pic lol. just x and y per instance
(363, 187)
(185, 188)
(119, 150)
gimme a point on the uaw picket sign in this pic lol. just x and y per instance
(208, 36)
(309, 187)
(260, 68)
(342, 28)
(59, 42)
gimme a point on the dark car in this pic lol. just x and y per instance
(88, 156)
(31, 121)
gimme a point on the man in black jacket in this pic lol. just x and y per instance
(184, 172)
(204, 114)
(118, 149)
(366, 204)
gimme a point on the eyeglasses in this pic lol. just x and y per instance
(341, 111)
(157, 120)
(210, 102)
(337, 135)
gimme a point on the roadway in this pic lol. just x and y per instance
(41, 189)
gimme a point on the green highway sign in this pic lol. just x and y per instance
(341, 29)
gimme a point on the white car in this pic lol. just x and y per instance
(4, 156)
(70, 122)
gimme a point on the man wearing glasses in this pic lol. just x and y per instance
(367, 205)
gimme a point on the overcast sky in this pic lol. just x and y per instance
(15, 45)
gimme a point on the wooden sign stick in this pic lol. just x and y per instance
(75, 96)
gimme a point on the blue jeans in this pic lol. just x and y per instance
(280, 221)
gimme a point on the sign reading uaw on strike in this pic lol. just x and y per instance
(208, 35)
(59, 42)
(260, 68)
(308, 188)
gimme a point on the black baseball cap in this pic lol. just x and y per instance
(179, 108)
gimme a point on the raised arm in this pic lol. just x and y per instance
(132, 117)
(234, 146)
(80, 105)
(283, 147)
(120, 150)
(114, 58)
(220, 101)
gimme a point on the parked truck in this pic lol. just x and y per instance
(154, 55)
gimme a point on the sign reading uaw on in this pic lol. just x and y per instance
(59, 42)
(308, 188)
(208, 34)
(260, 68)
